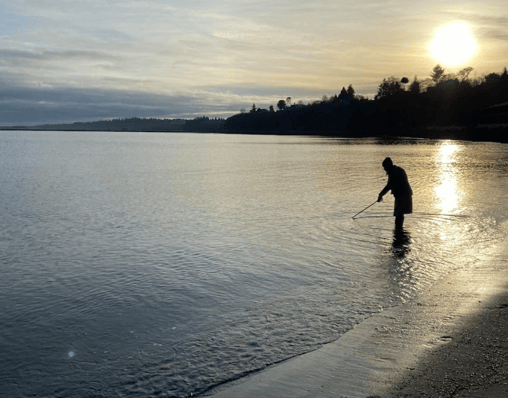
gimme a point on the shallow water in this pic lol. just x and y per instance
(137, 264)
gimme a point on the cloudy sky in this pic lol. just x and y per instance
(69, 60)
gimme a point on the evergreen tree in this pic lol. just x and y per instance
(437, 73)
(388, 88)
(351, 91)
(343, 94)
(415, 86)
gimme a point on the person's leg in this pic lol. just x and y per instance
(399, 221)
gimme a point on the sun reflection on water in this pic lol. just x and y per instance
(447, 191)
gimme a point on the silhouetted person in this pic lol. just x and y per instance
(401, 190)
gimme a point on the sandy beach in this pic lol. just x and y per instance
(473, 364)
(450, 341)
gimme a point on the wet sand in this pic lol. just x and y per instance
(473, 364)
(451, 341)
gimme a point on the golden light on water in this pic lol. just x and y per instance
(447, 191)
(446, 153)
(453, 44)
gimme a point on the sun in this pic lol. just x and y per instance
(453, 44)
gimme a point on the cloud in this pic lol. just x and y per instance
(21, 105)
(493, 27)
(7, 56)
(489, 22)
(212, 53)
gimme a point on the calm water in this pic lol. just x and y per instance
(138, 264)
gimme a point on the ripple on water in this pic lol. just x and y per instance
(147, 264)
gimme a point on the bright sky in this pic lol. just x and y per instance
(69, 60)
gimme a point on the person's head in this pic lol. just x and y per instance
(387, 164)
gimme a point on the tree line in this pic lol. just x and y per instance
(443, 102)
(203, 123)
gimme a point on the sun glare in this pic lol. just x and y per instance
(447, 192)
(453, 44)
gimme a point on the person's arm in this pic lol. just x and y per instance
(383, 193)
(385, 190)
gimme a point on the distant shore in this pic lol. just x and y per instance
(91, 131)
(486, 133)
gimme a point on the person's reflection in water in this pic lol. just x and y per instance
(401, 244)
(400, 266)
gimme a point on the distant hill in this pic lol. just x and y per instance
(200, 124)
(132, 124)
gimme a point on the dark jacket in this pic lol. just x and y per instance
(397, 183)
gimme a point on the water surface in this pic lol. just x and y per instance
(137, 264)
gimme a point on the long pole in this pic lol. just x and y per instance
(364, 209)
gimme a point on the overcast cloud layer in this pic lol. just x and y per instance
(64, 61)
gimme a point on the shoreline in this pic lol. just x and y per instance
(474, 364)
(451, 340)
(497, 133)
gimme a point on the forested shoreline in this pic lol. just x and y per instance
(135, 124)
(442, 106)
(455, 106)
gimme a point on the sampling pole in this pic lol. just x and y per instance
(364, 209)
